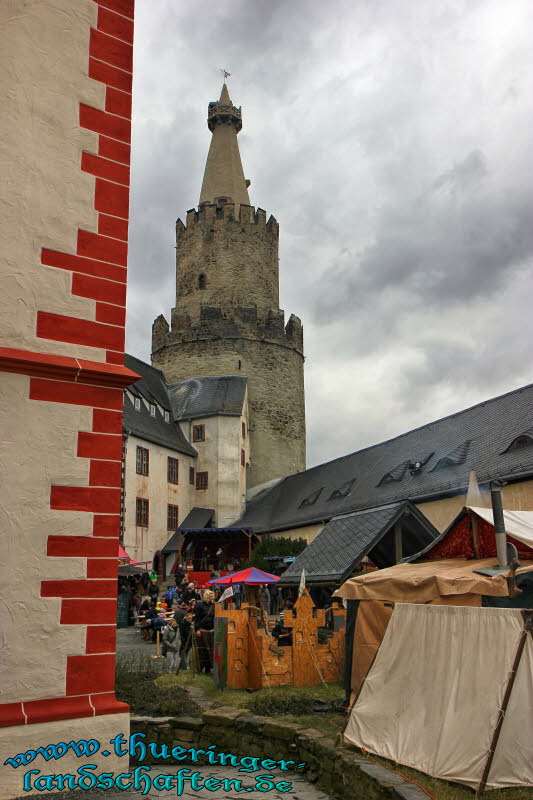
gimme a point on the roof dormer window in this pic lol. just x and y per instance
(152, 410)
(342, 491)
(167, 416)
(311, 500)
(521, 442)
(455, 458)
(137, 403)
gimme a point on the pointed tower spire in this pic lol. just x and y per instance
(224, 176)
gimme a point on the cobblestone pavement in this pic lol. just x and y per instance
(129, 640)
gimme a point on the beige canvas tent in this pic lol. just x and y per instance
(447, 575)
(450, 693)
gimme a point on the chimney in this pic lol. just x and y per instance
(499, 524)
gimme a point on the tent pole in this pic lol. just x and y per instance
(398, 541)
(528, 628)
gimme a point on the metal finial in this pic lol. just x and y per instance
(225, 73)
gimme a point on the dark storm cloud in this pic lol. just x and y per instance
(390, 140)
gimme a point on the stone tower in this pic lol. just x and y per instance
(227, 319)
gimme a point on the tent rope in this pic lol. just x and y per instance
(259, 656)
(313, 654)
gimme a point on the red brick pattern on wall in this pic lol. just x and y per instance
(99, 270)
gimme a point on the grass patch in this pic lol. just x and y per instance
(444, 790)
(137, 682)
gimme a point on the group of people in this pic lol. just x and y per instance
(191, 625)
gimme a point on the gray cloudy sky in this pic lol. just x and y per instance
(392, 142)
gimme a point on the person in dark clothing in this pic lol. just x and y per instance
(185, 629)
(153, 591)
(180, 612)
(145, 605)
(204, 623)
(274, 598)
(158, 623)
(149, 615)
(178, 576)
(282, 635)
(190, 593)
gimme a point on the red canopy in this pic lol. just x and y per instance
(122, 554)
(250, 576)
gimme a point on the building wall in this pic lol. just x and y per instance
(515, 496)
(142, 542)
(65, 132)
(275, 392)
(220, 456)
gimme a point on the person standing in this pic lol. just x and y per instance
(172, 644)
(204, 623)
(185, 626)
(264, 597)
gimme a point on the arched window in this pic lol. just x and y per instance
(202, 282)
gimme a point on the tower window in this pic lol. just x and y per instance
(202, 281)
(243, 428)
(198, 433)
(191, 475)
(243, 458)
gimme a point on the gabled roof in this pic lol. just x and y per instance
(474, 439)
(154, 429)
(214, 395)
(334, 554)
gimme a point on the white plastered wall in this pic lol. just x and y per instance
(220, 456)
(139, 542)
(20, 738)
(44, 195)
(38, 449)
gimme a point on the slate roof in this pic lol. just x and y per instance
(154, 429)
(334, 554)
(152, 383)
(198, 518)
(220, 395)
(446, 451)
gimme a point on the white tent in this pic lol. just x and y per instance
(433, 697)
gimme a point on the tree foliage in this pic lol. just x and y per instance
(271, 546)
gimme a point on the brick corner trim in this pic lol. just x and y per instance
(99, 270)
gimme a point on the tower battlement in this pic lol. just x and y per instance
(211, 212)
(237, 322)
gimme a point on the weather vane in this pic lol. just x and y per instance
(225, 73)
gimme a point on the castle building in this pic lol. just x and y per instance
(227, 320)
(186, 448)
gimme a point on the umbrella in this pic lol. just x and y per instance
(250, 576)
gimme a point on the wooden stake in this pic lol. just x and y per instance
(528, 628)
